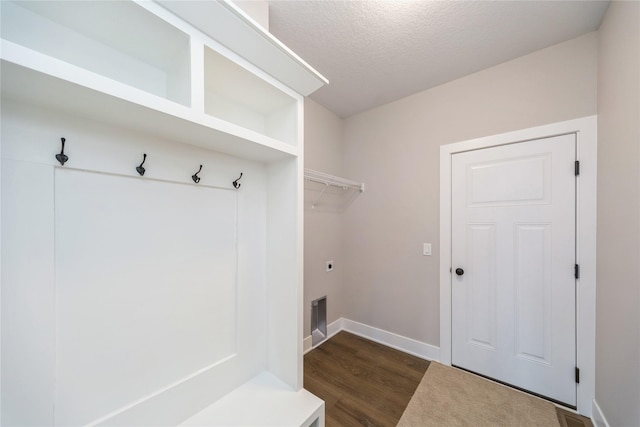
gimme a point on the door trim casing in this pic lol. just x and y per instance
(586, 151)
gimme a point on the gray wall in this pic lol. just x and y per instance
(394, 149)
(322, 229)
(618, 263)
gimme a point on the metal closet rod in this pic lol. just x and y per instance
(332, 180)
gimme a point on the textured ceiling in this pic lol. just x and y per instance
(374, 52)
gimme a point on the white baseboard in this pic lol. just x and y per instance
(399, 342)
(332, 329)
(597, 416)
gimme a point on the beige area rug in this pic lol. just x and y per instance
(450, 397)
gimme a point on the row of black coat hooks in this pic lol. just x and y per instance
(62, 158)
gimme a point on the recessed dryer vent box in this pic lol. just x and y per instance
(318, 320)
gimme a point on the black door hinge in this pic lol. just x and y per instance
(577, 167)
(576, 271)
(577, 375)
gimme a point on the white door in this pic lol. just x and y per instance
(513, 262)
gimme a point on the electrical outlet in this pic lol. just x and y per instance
(329, 265)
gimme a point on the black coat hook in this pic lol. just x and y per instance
(140, 169)
(236, 184)
(195, 176)
(62, 158)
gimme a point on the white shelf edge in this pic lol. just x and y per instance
(228, 25)
(52, 68)
(270, 38)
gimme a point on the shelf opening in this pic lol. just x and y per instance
(116, 39)
(236, 95)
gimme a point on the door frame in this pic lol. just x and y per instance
(586, 151)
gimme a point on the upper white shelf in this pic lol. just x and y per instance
(142, 51)
(42, 81)
(233, 94)
(137, 65)
(230, 26)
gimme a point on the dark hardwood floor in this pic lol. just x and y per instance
(362, 383)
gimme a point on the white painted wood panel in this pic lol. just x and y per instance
(145, 277)
(533, 280)
(27, 293)
(30, 137)
(284, 353)
(481, 305)
(519, 181)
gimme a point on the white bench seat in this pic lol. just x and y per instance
(262, 401)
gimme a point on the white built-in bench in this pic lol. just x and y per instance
(263, 401)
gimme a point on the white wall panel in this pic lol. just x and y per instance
(127, 250)
(146, 277)
(27, 294)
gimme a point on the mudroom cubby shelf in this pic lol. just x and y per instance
(225, 23)
(118, 39)
(33, 78)
(234, 94)
(150, 298)
(133, 64)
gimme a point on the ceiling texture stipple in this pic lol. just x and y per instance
(375, 52)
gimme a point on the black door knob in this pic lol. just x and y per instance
(459, 271)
